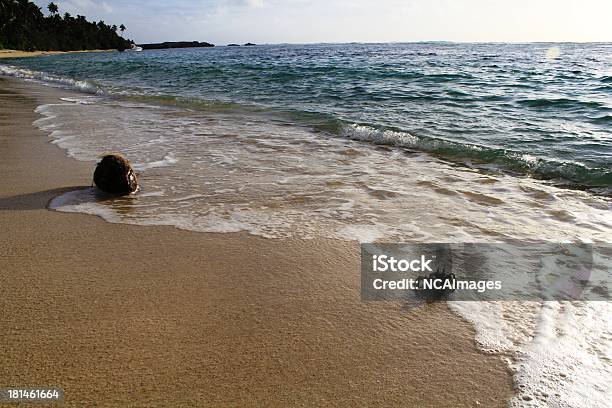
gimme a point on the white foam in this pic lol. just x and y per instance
(560, 352)
(84, 100)
(361, 132)
(361, 233)
(84, 201)
(49, 79)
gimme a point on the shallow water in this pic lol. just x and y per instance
(228, 172)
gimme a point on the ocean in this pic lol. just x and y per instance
(424, 142)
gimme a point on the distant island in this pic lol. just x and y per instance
(24, 27)
(175, 44)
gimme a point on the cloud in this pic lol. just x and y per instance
(255, 3)
(85, 7)
(277, 21)
(107, 8)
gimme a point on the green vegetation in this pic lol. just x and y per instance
(23, 26)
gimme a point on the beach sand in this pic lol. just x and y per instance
(123, 315)
(21, 54)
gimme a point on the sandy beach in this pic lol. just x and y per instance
(22, 54)
(123, 315)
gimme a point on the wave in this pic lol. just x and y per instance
(560, 103)
(606, 79)
(604, 119)
(193, 103)
(603, 88)
(23, 73)
(567, 173)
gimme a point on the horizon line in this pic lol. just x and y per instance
(389, 42)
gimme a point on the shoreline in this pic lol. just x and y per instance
(192, 318)
(25, 54)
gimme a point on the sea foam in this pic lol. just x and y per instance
(560, 352)
(45, 78)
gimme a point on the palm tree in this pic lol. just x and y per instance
(122, 28)
(23, 26)
(52, 7)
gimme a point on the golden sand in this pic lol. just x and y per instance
(21, 54)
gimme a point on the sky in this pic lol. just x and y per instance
(313, 21)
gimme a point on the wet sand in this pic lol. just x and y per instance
(22, 54)
(123, 315)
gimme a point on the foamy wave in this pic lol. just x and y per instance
(543, 343)
(380, 136)
(84, 201)
(85, 100)
(50, 79)
(64, 140)
(572, 173)
(92, 201)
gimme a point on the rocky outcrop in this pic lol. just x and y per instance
(175, 44)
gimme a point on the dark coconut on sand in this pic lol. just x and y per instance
(115, 175)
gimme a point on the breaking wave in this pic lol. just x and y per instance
(88, 86)
(573, 174)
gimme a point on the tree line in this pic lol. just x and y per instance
(23, 26)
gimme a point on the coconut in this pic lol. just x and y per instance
(115, 175)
